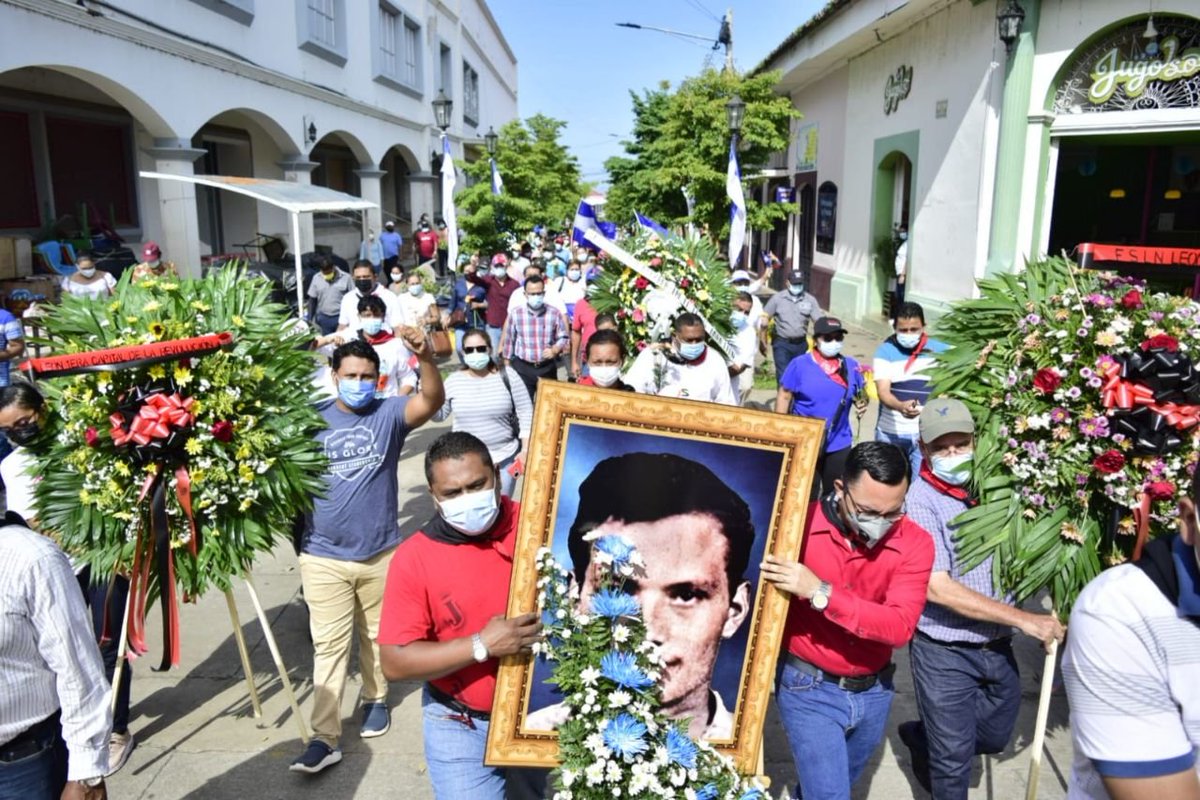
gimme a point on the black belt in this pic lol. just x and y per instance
(32, 740)
(854, 683)
(455, 705)
(1003, 643)
(793, 339)
(536, 364)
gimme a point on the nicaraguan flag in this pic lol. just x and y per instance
(449, 180)
(737, 211)
(585, 220)
(650, 225)
(497, 181)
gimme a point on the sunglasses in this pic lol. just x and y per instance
(833, 337)
(479, 348)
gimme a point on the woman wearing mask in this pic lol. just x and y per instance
(825, 384)
(492, 405)
(395, 280)
(605, 356)
(468, 303)
(89, 281)
(418, 307)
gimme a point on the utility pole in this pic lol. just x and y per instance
(725, 37)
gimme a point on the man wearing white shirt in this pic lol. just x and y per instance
(745, 340)
(743, 282)
(686, 368)
(553, 298)
(365, 284)
(569, 288)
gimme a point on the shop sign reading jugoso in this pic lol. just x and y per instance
(897, 88)
(1126, 71)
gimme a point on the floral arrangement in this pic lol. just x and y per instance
(616, 742)
(690, 267)
(221, 442)
(1087, 406)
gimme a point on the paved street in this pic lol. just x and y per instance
(197, 738)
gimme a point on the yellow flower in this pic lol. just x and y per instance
(237, 321)
(168, 286)
(245, 504)
(153, 305)
(183, 376)
(158, 371)
(1062, 315)
(197, 475)
(245, 473)
(121, 468)
(243, 450)
(195, 406)
(1071, 532)
(193, 447)
(114, 306)
(196, 304)
(85, 496)
(131, 320)
(703, 296)
(158, 329)
(1020, 426)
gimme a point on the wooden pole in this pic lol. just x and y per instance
(240, 638)
(122, 655)
(1039, 727)
(283, 675)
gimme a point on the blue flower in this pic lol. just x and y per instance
(752, 794)
(613, 604)
(617, 548)
(707, 792)
(625, 736)
(622, 669)
(681, 749)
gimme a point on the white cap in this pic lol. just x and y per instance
(739, 275)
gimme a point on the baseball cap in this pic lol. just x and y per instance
(796, 277)
(827, 325)
(151, 250)
(389, 224)
(739, 275)
(499, 260)
(943, 415)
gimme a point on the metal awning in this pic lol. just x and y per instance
(295, 198)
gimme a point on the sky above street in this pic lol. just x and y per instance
(576, 65)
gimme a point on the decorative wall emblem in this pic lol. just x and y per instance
(897, 88)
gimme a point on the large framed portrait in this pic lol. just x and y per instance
(704, 491)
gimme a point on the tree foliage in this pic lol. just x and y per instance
(681, 139)
(541, 184)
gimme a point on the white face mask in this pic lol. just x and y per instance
(908, 340)
(829, 349)
(951, 468)
(88, 272)
(604, 376)
(472, 513)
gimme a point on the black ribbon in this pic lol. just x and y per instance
(1173, 378)
(160, 535)
(169, 451)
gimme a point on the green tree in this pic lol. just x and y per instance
(681, 139)
(541, 184)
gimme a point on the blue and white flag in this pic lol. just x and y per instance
(585, 220)
(497, 181)
(449, 180)
(650, 225)
(737, 211)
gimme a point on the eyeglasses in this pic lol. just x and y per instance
(479, 348)
(894, 516)
(962, 449)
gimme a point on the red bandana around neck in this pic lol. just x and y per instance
(957, 492)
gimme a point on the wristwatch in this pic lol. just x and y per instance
(91, 783)
(478, 648)
(820, 599)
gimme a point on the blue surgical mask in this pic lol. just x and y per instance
(830, 349)
(476, 360)
(416, 289)
(574, 274)
(371, 326)
(908, 340)
(690, 351)
(499, 272)
(535, 301)
(356, 394)
(740, 320)
(796, 289)
(472, 513)
(954, 470)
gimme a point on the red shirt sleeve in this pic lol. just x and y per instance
(893, 620)
(405, 616)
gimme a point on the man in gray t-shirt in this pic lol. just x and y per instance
(325, 293)
(351, 534)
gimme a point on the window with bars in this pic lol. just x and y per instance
(396, 41)
(470, 95)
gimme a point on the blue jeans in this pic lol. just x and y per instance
(454, 754)
(494, 335)
(832, 732)
(968, 700)
(782, 352)
(37, 776)
(908, 444)
(327, 323)
(508, 481)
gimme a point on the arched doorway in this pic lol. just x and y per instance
(892, 210)
(339, 155)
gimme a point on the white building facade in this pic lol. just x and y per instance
(331, 92)
(917, 114)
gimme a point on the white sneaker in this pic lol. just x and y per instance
(120, 745)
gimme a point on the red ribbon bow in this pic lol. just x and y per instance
(1120, 393)
(153, 419)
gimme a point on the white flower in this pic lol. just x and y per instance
(568, 777)
(594, 773)
(589, 676)
(619, 698)
(620, 634)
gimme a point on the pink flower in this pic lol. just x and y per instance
(222, 430)
(92, 437)
(1047, 380)
(1109, 462)
(1132, 300)
(638, 315)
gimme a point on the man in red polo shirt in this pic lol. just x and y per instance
(857, 593)
(443, 614)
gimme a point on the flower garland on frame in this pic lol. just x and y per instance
(616, 741)
(212, 450)
(1086, 398)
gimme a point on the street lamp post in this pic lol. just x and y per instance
(735, 111)
(490, 139)
(492, 142)
(1009, 21)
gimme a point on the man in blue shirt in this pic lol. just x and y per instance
(391, 242)
(351, 534)
(12, 345)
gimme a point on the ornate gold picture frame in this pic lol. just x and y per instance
(632, 445)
